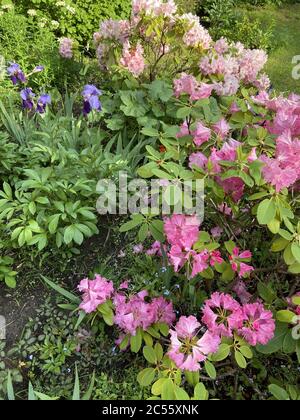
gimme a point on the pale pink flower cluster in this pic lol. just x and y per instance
(133, 58)
(66, 47)
(201, 135)
(135, 312)
(117, 30)
(197, 35)
(187, 349)
(223, 316)
(189, 85)
(95, 293)
(154, 7)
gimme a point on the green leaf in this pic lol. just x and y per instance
(285, 316)
(63, 292)
(240, 359)
(143, 232)
(266, 293)
(180, 394)
(10, 388)
(222, 353)
(157, 386)
(88, 394)
(52, 227)
(136, 221)
(296, 300)
(295, 248)
(210, 369)
(266, 212)
(150, 132)
(295, 268)
(276, 343)
(168, 390)
(246, 352)
(200, 392)
(146, 377)
(136, 341)
(76, 390)
(150, 355)
(159, 353)
(279, 245)
(278, 392)
(31, 394)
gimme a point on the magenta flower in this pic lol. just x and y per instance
(200, 263)
(222, 128)
(163, 311)
(198, 159)
(187, 350)
(177, 257)
(133, 59)
(201, 135)
(222, 314)
(258, 324)
(237, 263)
(95, 293)
(182, 230)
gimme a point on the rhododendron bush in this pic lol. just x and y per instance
(209, 114)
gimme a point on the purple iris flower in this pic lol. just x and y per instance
(38, 69)
(27, 98)
(42, 102)
(16, 74)
(91, 99)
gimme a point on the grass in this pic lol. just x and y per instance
(287, 40)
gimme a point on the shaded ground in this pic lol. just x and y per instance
(287, 38)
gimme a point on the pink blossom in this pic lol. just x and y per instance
(252, 157)
(215, 258)
(197, 35)
(217, 232)
(200, 263)
(138, 249)
(198, 159)
(237, 263)
(163, 311)
(187, 350)
(95, 293)
(177, 257)
(124, 285)
(182, 230)
(155, 249)
(242, 293)
(276, 175)
(201, 135)
(184, 130)
(222, 128)
(188, 84)
(222, 314)
(258, 324)
(221, 46)
(133, 58)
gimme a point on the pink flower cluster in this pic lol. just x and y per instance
(66, 47)
(237, 264)
(182, 233)
(223, 316)
(95, 293)
(118, 30)
(133, 58)
(154, 7)
(189, 85)
(187, 350)
(135, 312)
(197, 35)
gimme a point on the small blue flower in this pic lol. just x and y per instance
(42, 102)
(16, 74)
(27, 96)
(91, 99)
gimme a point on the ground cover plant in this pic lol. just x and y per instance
(177, 299)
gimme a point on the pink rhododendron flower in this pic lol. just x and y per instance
(222, 128)
(124, 285)
(215, 258)
(200, 263)
(252, 156)
(155, 249)
(201, 135)
(222, 314)
(184, 130)
(197, 35)
(95, 293)
(242, 293)
(233, 186)
(163, 311)
(133, 59)
(221, 46)
(187, 350)
(177, 257)
(258, 324)
(217, 231)
(224, 208)
(238, 265)
(198, 159)
(182, 230)
(189, 85)
(138, 249)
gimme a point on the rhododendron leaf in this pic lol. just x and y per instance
(162, 174)
(285, 316)
(240, 359)
(200, 393)
(222, 353)
(192, 377)
(146, 170)
(182, 113)
(146, 377)
(266, 293)
(53, 223)
(136, 341)
(81, 317)
(278, 392)
(295, 268)
(157, 234)
(246, 178)
(230, 245)
(279, 245)
(210, 369)
(153, 332)
(150, 355)
(295, 248)
(289, 343)
(136, 221)
(147, 339)
(228, 274)
(143, 232)
(157, 386)
(159, 352)
(168, 390)
(288, 256)
(207, 274)
(296, 300)
(204, 237)
(164, 329)
(258, 196)
(246, 352)
(266, 212)
(125, 342)
(274, 226)
(180, 394)
(285, 234)
(151, 132)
